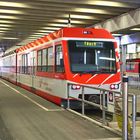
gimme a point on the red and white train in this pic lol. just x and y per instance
(133, 67)
(133, 72)
(77, 55)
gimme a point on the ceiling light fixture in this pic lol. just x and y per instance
(96, 11)
(81, 17)
(6, 21)
(35, 36)
(66, 21)
(51, 28)
(9, 38)
(10, 11)
(5, 25)
(45, 31)
(3, 29)
(60, 25)
(106, 3)
(7, 17)
(13, 4)
(38, 33)
(135, 29)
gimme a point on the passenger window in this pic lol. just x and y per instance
(50, 59)
(39, 60)
(44, 60)
(59, 63)
(130, 66)
(25, 63)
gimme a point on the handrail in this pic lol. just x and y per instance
(102, 92)
(123, 112)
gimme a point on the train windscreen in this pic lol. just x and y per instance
(92, 56)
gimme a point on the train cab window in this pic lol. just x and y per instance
(50, 59)
(91, 56)
(59, 63)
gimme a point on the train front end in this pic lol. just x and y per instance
(93, 62)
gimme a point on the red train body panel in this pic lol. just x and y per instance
(133, 66)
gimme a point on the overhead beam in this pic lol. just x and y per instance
(124, 21)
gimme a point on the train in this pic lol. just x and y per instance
(133, 67)
(80, 56)
(133, 72)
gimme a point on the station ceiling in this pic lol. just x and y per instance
(23, 21)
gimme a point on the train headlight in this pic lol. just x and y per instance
(114, 86)
(87, 32)
(75, 87)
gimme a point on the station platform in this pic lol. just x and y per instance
(26, 116)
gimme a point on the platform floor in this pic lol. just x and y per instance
(25, 116)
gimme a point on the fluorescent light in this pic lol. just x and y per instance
(6, 21)
(45, 31)
(9, 38)
(81, 17)
(4, 29)
(96, 11)
(10, 11)
(73, 16)
(35, 36)
(51, 28)
(107, 3)
(39, 34)
(135, 29)
(60, 25)
(13, 4)
(66, 21)
(5, 25)
(8, 17)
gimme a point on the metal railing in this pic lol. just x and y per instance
(133, 116)
(120, 107)
(102, 105)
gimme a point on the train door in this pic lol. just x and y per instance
(33, 68)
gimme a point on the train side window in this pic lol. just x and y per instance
(59, 63)
(50, 59)
(44, 60)
(130, 66)
(25, 68)
(23, 63)
(39, 60)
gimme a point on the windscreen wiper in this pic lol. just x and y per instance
(89, 72)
